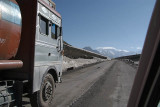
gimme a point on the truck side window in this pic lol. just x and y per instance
(44, 25)
(53, 31)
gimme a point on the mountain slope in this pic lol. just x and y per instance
(90, 49)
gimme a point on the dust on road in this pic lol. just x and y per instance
(111, 90)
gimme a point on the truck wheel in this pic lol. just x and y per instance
(45, 95)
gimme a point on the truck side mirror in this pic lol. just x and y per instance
(50, 24)
(59, 45)
(61, 31)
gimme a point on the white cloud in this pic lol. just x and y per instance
(139, 48)
(111, 48)
(106, 48)
(125, 50)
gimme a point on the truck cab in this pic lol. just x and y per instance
(31, 50)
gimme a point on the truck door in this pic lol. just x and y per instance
(46, 47)
(55, 39)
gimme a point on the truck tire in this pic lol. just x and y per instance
(44, 97)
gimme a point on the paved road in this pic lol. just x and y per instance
(107, 84)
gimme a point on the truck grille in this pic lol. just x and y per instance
(6, 92)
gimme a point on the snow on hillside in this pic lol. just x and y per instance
(90, 49)
(75, 63)
(113, 52)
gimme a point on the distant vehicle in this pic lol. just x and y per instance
(30, 51)
(146, 87)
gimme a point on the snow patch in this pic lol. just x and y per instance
(69, 63)
(112, 53)
(139, 48)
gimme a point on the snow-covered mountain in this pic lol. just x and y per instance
(112, 52)
(90, 49)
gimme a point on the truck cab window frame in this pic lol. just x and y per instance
(55, 31)
(44, 25)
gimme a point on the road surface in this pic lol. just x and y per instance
(106, 84)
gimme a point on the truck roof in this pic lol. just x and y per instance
(50, 7)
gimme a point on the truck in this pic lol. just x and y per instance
(31, 51)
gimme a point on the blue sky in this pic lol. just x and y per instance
(105, 23)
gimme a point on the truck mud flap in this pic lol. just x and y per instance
(18, 91)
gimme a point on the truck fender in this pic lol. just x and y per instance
(53, 71)
(39, 77)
